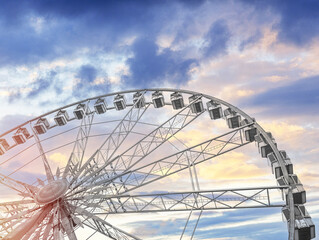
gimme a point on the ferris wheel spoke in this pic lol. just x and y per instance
(120, 132)
(154, 139)
(23, 189)
(17, 214)
(192, 168)
(34, 232)
(67, 226)
(16, 203)
(164, 167)
(187, 221)
(81, 141)
(182, 160)
(7, 228)
(26, 226)
(46, 164)
(109, 180)
(8, 223)
(200, 214)
(194, 200)
(56, 223)
(169, 165)
(37, 234)
(100, 225)
(48, 228)
(90, 188)
(114, 140)
(144, 147)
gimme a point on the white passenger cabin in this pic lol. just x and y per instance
(79, 111)
(61, 118)
(21, 136)
(215, 110)
(119, 102)
(100, 106)
(197, 104)
(41, 126)
(158, 99)
(177, 100)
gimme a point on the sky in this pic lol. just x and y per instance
(261, 56)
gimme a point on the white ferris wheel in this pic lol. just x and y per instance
(76, 167)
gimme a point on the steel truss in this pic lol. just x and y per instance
(22, 188)
(77, 154)
(102, 184)
(140, 150)
(167, 166)
(185, 201)
(101, 225)
(111, 144)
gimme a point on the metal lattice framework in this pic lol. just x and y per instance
(114, 152)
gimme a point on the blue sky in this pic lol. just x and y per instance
(261, 56)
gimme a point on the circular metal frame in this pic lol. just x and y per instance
(60, 186)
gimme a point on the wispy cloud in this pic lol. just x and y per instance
(300, 96)
(149, 67)
(216, 39)
(261, 56)
(296, 20)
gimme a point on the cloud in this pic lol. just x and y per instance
(192, 137)
(250, 40)
(29, 49)
(87, 74)
(148, 67)
(10, 121)
(93, 38)
(301, 96)
(14, 95)
(33, 90)
(297, 19)
(270, 221)
(288, 135)
(59, 158)
(112, 10)
(72, 27)
(241, 224)
(42, 84)
(240, 168)
(86, 84)
(216, 39)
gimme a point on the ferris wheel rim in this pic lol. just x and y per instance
(238, 110)
(132, 91)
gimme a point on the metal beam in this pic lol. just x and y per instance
(188, 201)
(79, 147)
(26, 226)
(24, 189)
(100, 225)
(135, 154)
(112, 142)
(46, 164)
(167, 166)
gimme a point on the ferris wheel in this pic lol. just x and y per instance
(76, 166)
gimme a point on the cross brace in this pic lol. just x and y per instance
(195, 200)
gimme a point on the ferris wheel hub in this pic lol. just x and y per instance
(51, 192)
